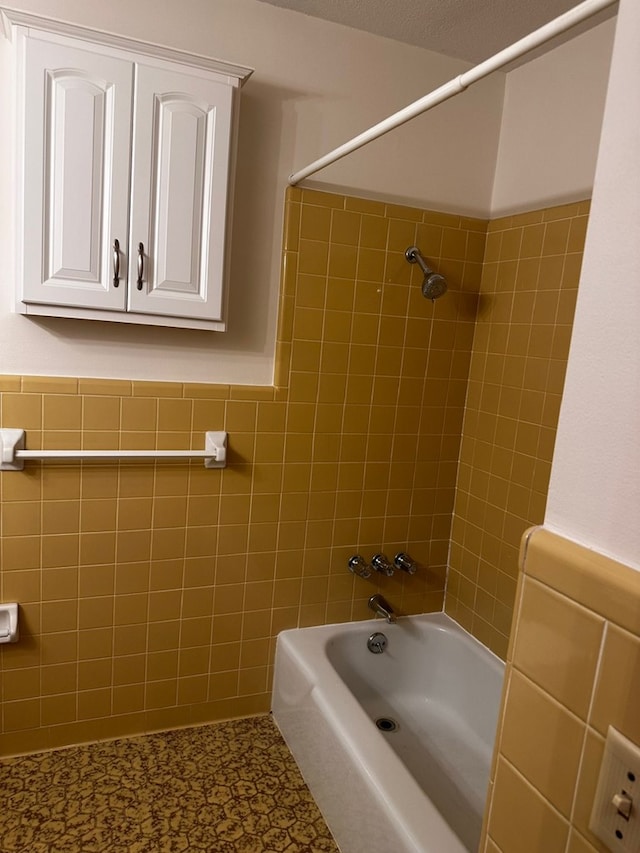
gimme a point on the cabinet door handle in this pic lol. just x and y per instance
(116, 263)
(140, 264)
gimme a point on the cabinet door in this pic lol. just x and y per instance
(75, 174)
(181, 141)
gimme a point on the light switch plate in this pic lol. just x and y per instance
(619, 781)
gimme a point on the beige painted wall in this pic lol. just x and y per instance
(315, 85)
(594, 494)
(551, 125)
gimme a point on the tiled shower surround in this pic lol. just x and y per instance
(151, 594)
(520, 350)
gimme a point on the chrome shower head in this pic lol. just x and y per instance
(433, 284)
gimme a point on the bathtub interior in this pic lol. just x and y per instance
(442, 690)
(441, 725)
(443, 667)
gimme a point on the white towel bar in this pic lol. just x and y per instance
(13, 454)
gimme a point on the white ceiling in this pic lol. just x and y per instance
(466, 29)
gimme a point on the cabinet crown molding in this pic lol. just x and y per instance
(10, 18)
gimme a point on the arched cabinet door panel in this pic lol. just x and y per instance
(181, 138)
(77, 120)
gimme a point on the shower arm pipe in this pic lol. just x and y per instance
(538, 37)
(414, 257)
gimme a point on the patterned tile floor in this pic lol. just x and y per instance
(230, 787)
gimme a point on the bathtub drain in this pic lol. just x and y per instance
(386, 724)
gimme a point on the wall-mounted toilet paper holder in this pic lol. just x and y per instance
(9, 623)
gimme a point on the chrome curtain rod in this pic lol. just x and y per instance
(458, 84)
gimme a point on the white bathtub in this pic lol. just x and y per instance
(421, 788)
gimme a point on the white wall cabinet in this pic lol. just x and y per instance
(125, 164)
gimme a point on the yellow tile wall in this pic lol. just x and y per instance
(520, 349)
(571, 672)
(150, 594)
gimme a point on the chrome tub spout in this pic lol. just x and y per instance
(381, 607)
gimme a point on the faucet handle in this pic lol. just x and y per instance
(381, 564)
(405, 562)
(358, 565)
